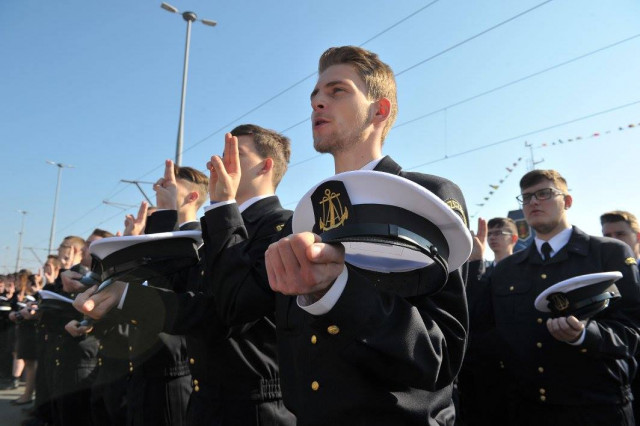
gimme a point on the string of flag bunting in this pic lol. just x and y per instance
(511, 167)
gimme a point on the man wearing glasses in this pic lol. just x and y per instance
(562, 370)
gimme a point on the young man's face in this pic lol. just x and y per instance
(545, 215)
(500, 238)
(341, 109)
(622, 231)
(66, 254)
(86, 255)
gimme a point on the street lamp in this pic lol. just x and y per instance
(60, 166)
(24, 214)
(189, 17)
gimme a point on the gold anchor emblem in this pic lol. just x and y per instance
(559, 300)
(333, 215)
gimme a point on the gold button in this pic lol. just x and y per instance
(195, 382)
(333, 329)
(130, 348)
(540, 370)
(583, 350)
(99, 362)
(539, 344)
(131, 369)
(57, 348)
(543, 391)
(543, 276)
(100, 347)
(130, 364)
(134, 322)
(196, 388)
(501, 364)
(314, 339)
(192, 361)
(543, 398)
(511, 288)
(201, 273)
(539, 320)
(315, 385)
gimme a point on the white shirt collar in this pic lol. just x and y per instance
(251, 201)
(372, 164)
(556, 242)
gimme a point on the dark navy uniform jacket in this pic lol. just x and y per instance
(549, 371)
(378, 357)
(227, 363)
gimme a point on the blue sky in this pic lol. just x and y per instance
(97, 85)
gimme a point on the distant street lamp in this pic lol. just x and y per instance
(60, 166)
(189, 17)
(24, 214)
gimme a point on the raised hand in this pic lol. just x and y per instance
(301, 264)
(135, 225)
(479, 241)
(166, 188)
(225, 172)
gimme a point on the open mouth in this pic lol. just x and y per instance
(319, 122)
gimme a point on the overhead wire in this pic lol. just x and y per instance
(260, 105)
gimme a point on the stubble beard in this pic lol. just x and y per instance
(335, 142)
(545, 228)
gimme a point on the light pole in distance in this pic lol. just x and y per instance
(60, 166)
(189, 17)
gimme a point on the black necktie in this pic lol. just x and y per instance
(546, 251)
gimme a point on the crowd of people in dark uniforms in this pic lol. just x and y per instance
(273, 324)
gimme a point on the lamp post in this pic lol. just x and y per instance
(189, 17)
(24, 214)
(60, 166)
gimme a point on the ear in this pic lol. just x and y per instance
(568, 201)
(514, 238)
(382, 110)
(192, 197)
(267, 166)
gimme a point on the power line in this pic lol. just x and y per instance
(519, 80)
(533, 132)
(448, 49)
(473, 37)
(282, 92)
(495, 89)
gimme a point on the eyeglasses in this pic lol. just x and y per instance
(540, 194)
(498, 233)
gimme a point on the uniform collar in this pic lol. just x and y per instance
(578, 244)
(256, 210)
(556, 242)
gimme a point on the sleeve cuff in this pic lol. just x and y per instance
(328, 301)
(215, 204)
(581, 339)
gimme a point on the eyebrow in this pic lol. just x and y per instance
(329, 84)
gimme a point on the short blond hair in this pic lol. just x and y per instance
(621, 216)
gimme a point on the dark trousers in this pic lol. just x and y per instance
(527, 413)
(109, 403)
(158, 401)
(206, 409)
